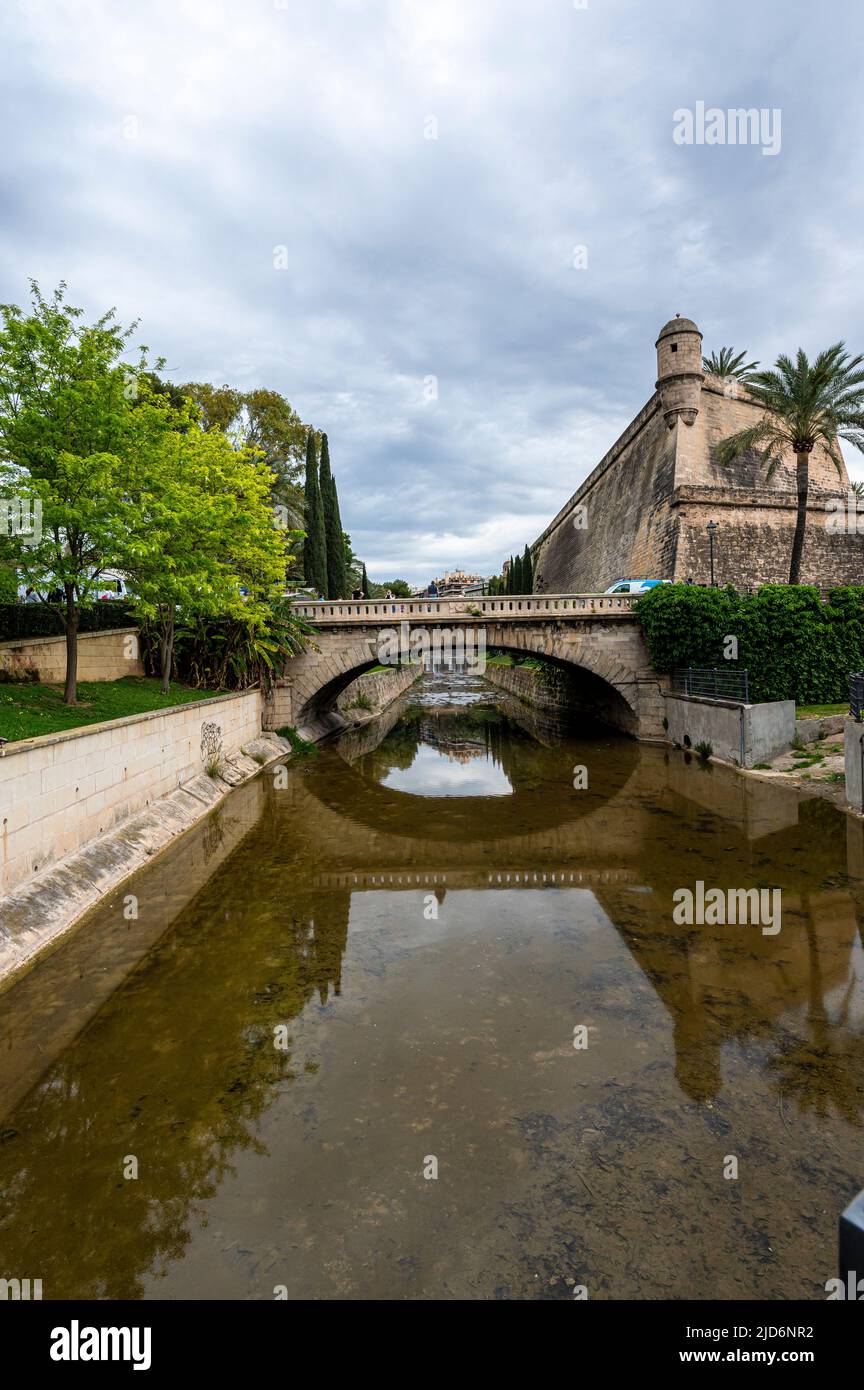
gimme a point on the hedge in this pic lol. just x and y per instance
(794, 645)
(21, 620)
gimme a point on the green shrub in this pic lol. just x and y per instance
(794, 646)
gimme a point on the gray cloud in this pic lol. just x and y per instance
(156, 154)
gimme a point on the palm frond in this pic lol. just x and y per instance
(727, 363)
(745, 441)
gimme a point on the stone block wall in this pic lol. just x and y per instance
(102, 656)
(545, 688)
(59, 791)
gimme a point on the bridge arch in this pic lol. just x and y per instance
(608, 670)
(596, 684)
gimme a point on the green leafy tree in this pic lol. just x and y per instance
(201, 540)
(805, 403)
(218, 406)
(262, 420)
(314, 545)
(155, 385)
(399, 588)
(272, 426)
(64, 404)
(727, 362)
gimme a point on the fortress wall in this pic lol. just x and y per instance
(721, 415)
(754, 541)
(630, 528)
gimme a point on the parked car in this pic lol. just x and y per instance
(634, 586)
(111, 585)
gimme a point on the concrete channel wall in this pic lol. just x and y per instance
(743, 734)
(853, 746)
(59, 791)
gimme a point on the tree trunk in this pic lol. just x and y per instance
(166, 652)
(802, 471)
(70, 694)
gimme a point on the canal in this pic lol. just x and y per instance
(411, 1018)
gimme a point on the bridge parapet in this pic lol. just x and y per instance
(509, 607)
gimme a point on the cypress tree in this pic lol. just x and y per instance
(517, 575)
(364, 582)
(332, 527)
(527, 572)
(339, 547)
(314, 550)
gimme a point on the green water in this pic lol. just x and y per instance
(422, 914)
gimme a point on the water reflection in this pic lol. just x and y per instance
(430, 956)
(454, 768)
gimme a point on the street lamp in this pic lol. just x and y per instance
(711, 528)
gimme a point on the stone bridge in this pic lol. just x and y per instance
(596, 636)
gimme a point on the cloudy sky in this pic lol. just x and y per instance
(374, 206)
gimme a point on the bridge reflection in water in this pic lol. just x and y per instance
(431, 956)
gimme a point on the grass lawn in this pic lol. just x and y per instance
(26, 711)
(819, 711)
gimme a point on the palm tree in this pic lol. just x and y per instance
(727, 363)
(857, 488)
(805, 403)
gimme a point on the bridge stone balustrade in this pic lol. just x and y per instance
(463, 609)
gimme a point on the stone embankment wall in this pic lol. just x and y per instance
(60, 791)
(570, 693)
(102, 656)
(548, 688)
(380, 688)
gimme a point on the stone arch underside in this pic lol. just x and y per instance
(608, 665)
(316, 690)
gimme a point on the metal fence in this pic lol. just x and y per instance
(856, 694)
(713, 683)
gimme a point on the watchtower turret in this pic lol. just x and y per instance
(679, 370)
